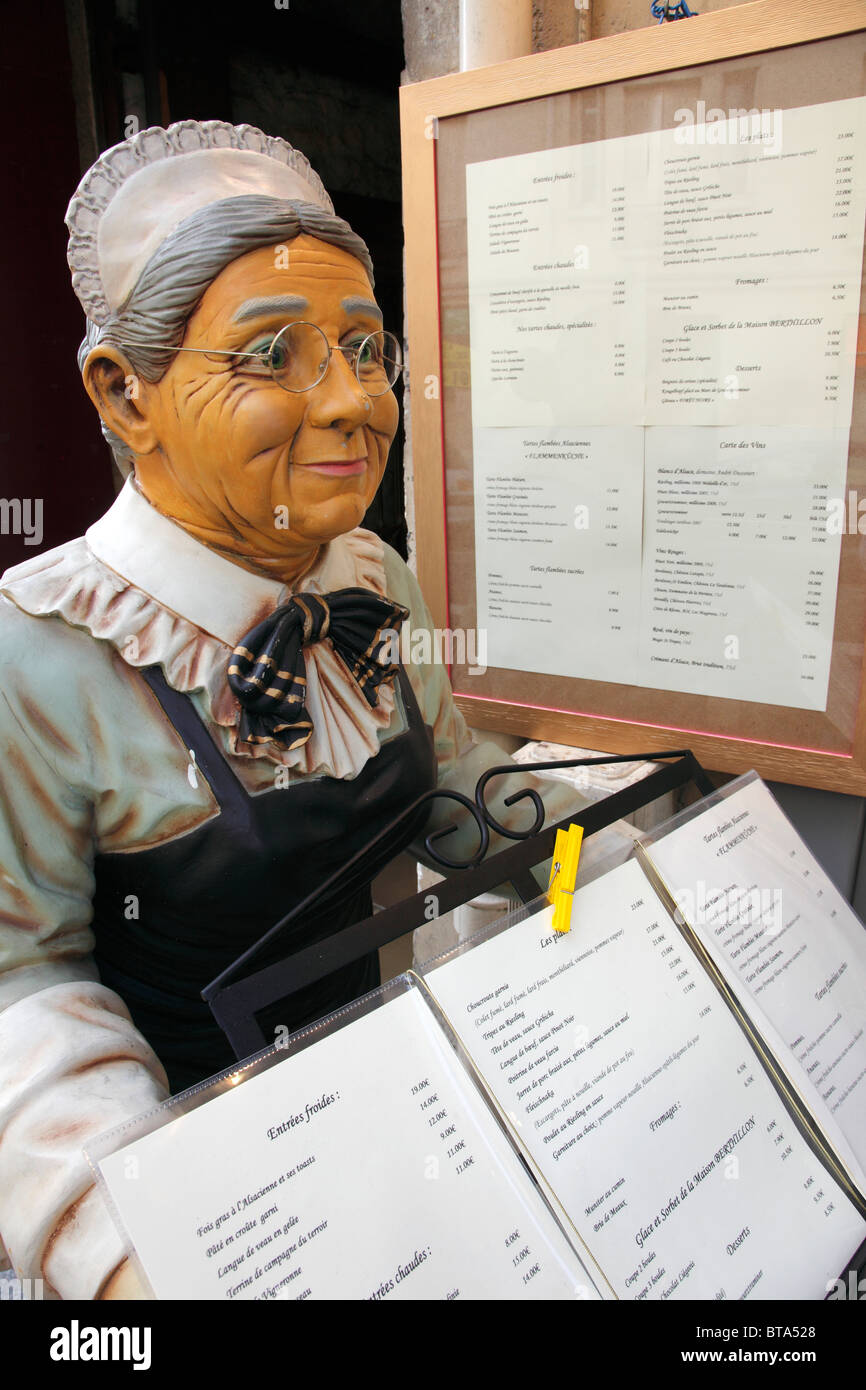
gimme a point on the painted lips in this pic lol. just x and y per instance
(346, 468)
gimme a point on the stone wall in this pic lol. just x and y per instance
(616, 16)
(430, 27)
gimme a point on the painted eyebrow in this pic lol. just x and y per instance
(355, 304)
(263, 308)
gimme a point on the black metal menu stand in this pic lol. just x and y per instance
(235, 1002)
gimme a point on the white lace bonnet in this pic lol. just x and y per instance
(139, 192)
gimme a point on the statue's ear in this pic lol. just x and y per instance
(120, 396)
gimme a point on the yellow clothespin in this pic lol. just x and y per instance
(563, 875)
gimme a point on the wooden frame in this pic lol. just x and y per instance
(742, 30)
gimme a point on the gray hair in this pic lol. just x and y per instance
(186, 264)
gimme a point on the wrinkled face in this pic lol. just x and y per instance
(273, 472)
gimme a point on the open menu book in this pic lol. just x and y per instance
(669, 1101)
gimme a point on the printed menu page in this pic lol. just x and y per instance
(553, 547)
(738, 548)
(365, 1166)
(663, 333)
(642, 1103)
(785, 938)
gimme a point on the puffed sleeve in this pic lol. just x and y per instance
(72, 1065)
(460, 759)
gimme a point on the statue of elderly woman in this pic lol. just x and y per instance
(200, 720)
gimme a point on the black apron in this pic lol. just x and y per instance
(202, 898)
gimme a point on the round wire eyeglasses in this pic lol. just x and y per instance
(298, 356)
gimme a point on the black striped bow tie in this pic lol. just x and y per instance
(268, 672)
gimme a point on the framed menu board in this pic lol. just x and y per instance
(635, 283)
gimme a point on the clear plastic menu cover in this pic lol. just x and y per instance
(358, 1162)
(641, 1104)
(786, 941)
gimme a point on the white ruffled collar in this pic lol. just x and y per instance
(142, 583)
